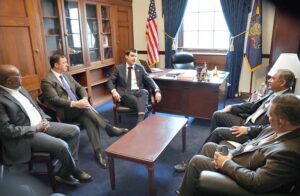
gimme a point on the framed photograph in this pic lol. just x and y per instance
(105, 41)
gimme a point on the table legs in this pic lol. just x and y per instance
(184, 137)
(111, 168)
(150, 179)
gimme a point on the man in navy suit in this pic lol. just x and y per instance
(24, 128)
(128, 82)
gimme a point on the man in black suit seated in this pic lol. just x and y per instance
(270, 162)
(244, 121)
(24, 128)
(254, 113)
(127, 85)
(70, 99)
(242, 117)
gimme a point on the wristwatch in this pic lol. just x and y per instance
(248, 129)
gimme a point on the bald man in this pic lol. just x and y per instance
(24, 128)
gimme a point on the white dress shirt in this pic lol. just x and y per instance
(134, 85)
(263, 106)
(32, 113)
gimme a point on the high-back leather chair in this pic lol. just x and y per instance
(183, 60)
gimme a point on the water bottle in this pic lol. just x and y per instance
(262, 89)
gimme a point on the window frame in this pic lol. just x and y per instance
(196, 50)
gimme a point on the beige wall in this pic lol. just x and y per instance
(140, 12)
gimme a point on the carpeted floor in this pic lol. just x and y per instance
(131, 178)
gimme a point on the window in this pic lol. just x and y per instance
(204, 27)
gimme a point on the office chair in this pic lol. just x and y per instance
(119, 109)
(183, 60)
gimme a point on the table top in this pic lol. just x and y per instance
(148, 139)
(191, 76)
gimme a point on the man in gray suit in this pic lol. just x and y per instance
(70, 99)
(24, 128)
(128, 85)
(271, 162)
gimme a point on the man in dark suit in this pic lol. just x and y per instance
(236, 122)
(271, 162)
(24, 128)
(70, 99)
(249, 113)
(127, 85)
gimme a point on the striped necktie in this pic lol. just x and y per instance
(67, 88)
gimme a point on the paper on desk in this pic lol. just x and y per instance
(180, 74)
(155, 70)
(187, 75)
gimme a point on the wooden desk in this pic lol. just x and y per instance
(145, 142)
(191, 98)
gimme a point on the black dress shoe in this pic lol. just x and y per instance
(181, 167)
(82, 176)
(67, 179)
(115, 131)
(102, 160)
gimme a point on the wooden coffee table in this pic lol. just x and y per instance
(145, 142)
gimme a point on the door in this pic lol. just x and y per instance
(124, 31)
(21, 43)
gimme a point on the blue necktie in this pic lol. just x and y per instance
(67, 88)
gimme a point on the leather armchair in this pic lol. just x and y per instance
(183, 60)
(36, 157)
(213, 183)
(119, 109)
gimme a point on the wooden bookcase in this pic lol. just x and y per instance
(86, 31)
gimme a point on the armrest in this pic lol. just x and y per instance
(48, 109)
(215, 183)
(153, 101)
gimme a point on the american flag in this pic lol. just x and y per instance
(152, 35)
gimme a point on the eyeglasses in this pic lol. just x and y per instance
(17, 76)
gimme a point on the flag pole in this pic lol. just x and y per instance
(251, 79)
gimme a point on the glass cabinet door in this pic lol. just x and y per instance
(93, 32)
(51, 25)
(73, 33)
(106, 32)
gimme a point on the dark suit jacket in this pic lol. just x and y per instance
(118, 79)
(266, 167)
(55, 94)
(245, 109)
(15, 129)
